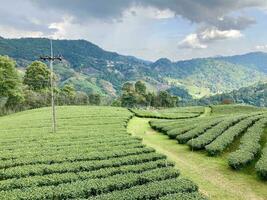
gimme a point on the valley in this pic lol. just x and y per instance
(92, 69)
(133, 100)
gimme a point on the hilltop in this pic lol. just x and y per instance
(92, 69)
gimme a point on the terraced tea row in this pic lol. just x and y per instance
(89, 157)
(57, 178)
(155, 190)
(74, 156)
(226, 139)
(91, 187)
(249, 145)
(170, 113)
(212, 133)
(261, 166)
(217, 132)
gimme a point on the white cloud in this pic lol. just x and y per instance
(215, 34)
(137, 34)
(135, 27)
(61, 28)
(261, 47)
(10, 32)
(207, 11)
(192, 41)
(264, 10)
(164, 14)
(200, 40)
(148, 12)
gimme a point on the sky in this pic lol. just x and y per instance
(147, 29)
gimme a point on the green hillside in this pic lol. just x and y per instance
(212, 76)
(257, 60)
(254, 95)
(83, 62)
(92, 69)
(90, 157)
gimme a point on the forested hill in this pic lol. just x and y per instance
(87, 66)
(92, 69)
(254, 95)
(256, 60)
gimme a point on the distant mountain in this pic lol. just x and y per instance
(254, 95)
(86, 65)
(203, 77)
(256, 60)
(92, 69)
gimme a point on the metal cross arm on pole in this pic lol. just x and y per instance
(49, 58)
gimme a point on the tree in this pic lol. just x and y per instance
(116, 103)
(37, 76)
(129, 99)
(10, 84)
(36, 99)
(81, 98)
(140, 100)
(166, 100)
(95, 99)
(135, 95)
(128, 87)
(67, 95)
(68, 90)
(140, 88)
(151, 99)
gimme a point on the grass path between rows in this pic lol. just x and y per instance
(207, 112)
(215, 179)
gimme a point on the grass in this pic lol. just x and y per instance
(212, 174)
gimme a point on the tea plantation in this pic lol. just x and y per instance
(233, 130)
(91, 157)
(170, 113)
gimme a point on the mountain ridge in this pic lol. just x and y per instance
(92, 69)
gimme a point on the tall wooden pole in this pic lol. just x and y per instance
(51, 59)
(52, 89)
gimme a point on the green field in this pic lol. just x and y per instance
(90, 157)
(113, 153)
(224, 150)
(213, 175)
(236, 132)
